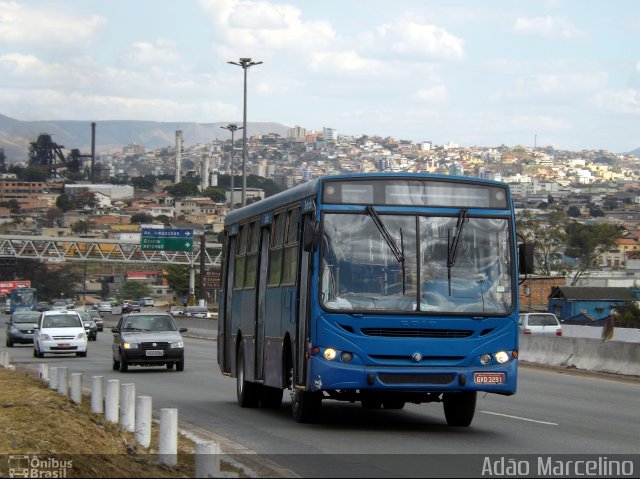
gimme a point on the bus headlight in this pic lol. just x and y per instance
(329, 354)
(346, 357)
(502, 357)
(485, 359)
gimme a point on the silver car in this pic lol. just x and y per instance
(545, 324)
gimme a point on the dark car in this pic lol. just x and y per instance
(43, 306)
(147, 339)
(95, 315)
(90, 325)
(20, 327)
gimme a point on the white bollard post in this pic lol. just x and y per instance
(97, 399)
(143, 421)
(43, 372)
(112, 401)
(63, 381)
(128, 407)
(76, 387)
(4, 359)
(168, 447)
(207, 459)
(53, 378)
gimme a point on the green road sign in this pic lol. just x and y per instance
(154, 243)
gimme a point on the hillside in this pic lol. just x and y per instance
(15, 135)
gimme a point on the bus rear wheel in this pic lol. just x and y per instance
(459, 408)
(246, 392)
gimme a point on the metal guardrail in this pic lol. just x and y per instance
(62, 249)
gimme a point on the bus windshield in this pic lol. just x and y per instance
(450, 264)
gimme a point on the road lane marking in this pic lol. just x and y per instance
(520, 418)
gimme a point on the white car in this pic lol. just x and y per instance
(197, 312)
(104, 308)
(59, 332)
(539, 324)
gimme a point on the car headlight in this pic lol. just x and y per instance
(81, 336)
(45, 337)
(130, 345)
(177, 345)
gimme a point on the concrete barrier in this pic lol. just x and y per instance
(615, 357)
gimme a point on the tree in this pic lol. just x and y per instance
(134, 290)
(64, 202)
(182, 189)
(146, 182)
(140, 218)
(178, 278)
(627, 315)
(586, 243)
(547, 237)
(574, 212)
(216, 194)
(51, 281)
(82, 227)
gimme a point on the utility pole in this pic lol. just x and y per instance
(232, 127)
(245, 63)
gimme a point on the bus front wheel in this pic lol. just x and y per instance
(248, 393)
(305, 405)
(459, 408)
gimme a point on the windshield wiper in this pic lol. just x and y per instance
(452, 244)
(398, 252)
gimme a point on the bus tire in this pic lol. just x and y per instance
(393, 404)
(459, 408)
(248, 393)
(370, 401)
(305, 405)
(270, 398)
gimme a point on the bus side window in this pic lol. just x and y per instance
(252, 256)
(275, 256)
(241, 250)
(290, 273)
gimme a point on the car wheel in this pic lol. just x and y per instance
(180, 365)
(170, 366)
(124, 365)
(81, 354)
(9, 343)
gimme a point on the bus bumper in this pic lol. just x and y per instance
(330, 375)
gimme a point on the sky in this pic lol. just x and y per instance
(561, 73)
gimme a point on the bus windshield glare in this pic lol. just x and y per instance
(450, 264)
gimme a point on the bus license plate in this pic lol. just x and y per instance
(488, 378)
(155, 352)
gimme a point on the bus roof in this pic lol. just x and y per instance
(310, 188)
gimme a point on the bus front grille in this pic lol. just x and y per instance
(390, 378)
(416, 333)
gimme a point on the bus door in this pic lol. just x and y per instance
(229, 350)
(304, 319)
(261, 290)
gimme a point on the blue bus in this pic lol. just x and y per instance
(377, 288)
(23, 298)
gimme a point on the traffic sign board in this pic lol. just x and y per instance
(167, 233)
(166, 244)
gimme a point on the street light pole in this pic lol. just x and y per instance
(245, 63)
(232, 127)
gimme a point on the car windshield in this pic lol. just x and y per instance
(25, 317)
(542, 320)
(61, 321)
(403, 263)
(149, 323)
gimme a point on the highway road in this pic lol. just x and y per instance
(554, 412)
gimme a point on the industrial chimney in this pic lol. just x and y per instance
(205, 173)
(92, 173)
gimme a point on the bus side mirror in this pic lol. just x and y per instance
(525, 258)
(310, 236)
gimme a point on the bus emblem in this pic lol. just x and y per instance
(417, 357)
